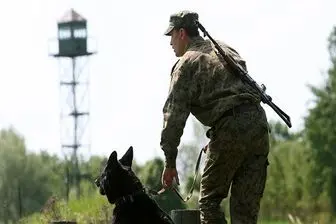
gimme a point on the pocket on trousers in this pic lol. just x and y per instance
(258, 170)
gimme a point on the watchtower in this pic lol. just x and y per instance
(72, 35)
(73, 55)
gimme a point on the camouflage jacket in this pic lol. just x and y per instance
(201, 84)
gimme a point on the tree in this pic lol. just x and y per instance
(320, 127)
(90, 170)
(279, 132)
(288, 186)
(12, 151)
(27, 180)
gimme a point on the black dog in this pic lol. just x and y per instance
(122, 188)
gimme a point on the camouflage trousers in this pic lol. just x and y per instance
(236, 158)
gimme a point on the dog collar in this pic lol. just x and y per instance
(130, 197)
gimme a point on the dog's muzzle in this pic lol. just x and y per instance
(100, 186)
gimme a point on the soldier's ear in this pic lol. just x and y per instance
(183, 34)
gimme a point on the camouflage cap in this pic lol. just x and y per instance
(181, 19)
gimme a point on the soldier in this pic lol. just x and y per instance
(237, 153)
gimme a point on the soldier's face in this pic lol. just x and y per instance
(178, 41)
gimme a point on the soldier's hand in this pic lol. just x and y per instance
(168, 176)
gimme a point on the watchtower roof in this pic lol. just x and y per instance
(71, 16)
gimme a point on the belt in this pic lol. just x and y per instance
(245, 107)
(240, 109)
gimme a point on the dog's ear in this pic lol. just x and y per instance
(127, 158)
(112, 159)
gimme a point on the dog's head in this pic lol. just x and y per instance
(117, 178)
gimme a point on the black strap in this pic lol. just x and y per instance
(129, 198)
(194, 182)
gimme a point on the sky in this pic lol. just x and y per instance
(284, 44)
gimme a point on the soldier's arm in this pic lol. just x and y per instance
(175, 112)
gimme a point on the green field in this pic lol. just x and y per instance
(93, 209)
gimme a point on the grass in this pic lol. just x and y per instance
(274, 222)
(92, 209)
(89, 210)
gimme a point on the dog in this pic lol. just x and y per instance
(123, 188)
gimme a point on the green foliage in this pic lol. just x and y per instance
(279, 132)
(87, 210)
(287, 186)
(150, 173)
(320, 128)
(25, 178)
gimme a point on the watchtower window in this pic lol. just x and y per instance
(64, 33)
(80, 33)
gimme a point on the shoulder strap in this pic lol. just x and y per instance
(173, 68)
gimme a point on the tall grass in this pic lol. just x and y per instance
(88, 210)
(95, 209)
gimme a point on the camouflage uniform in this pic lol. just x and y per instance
(202, 84)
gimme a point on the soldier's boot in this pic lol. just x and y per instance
(211, 212)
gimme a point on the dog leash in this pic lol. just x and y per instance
(192, 186)
(195, 178)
